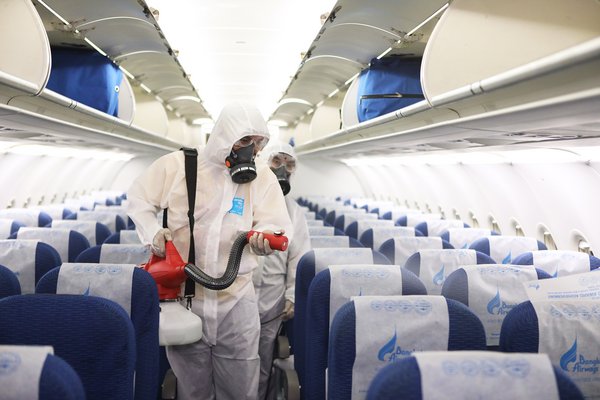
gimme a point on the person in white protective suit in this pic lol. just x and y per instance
(224, 364)
(275, 277)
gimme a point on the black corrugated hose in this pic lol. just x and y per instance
(233, 266)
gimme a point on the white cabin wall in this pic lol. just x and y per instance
(30, 180)
(183, 133)
(129, 172)
(319, 177)
(326, 119)
(149, 113)
(300, 133)
(559, 195)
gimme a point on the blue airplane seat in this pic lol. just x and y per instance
(68, 243)
(71, 324)
(113, 221)
(415, 219)
(461, 238)
(402, 380)
(465, 333)
(9, 227)
(520, 330)
(437, 226)
(458, 287)
(115, 253)
(322, 293)
(44, 219)
(387, 215)
(321, 214)
(357, 228)
(27, 216)
(54, 378)
(317, 242)
(126, 236)
(399, 249)
(308, 266)
(9, 284)
(565, 330)
(330, 218)
(144, 314)
(559, 263)
(95, 232)
(432, 266)
(374, 237)
(28, 260)
(503, 249)
(343, 221)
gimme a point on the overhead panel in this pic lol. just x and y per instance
(353, 35)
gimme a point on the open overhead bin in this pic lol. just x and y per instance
(354, 33)
(493, 73)
(124, 31)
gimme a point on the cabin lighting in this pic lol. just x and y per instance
(127, 73)
(65, 152)
(278, 122)
(146, 88)
(57, 15)
(201, 121)
(184, 98)
(291, 100)
(98, 49)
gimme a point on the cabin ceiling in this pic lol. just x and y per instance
(239, 50)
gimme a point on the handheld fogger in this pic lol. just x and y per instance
(178, 325)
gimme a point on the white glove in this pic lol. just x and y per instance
(259, 245)
(288, 311)
(158, 243)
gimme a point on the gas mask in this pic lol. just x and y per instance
(241, 164)
(283, 177)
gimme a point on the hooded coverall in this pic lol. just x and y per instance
(224, 364)
(274, 282)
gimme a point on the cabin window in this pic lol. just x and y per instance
(549, 241)
(494, 224)
(585, 247)
(517, 227)
(474, 220)
(442, 213)
(455, 213)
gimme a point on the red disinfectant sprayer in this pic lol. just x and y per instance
(178, 325)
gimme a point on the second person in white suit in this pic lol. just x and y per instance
(275, 277)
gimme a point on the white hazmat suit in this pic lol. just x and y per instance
(274, 281)
(224, 364)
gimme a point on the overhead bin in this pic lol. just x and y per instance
(538, 94)
(354, 33)
(127, 32)
(142, 49)
(25, 64)
(509, 33)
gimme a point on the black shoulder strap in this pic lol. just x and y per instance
(191, 169)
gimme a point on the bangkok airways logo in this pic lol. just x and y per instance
(391, 351)
(498, 307)
(9, 362)
(440, 276)
(580, 364)
(508, 258)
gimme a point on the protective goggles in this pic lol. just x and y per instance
(259, 142)
(277, 160)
